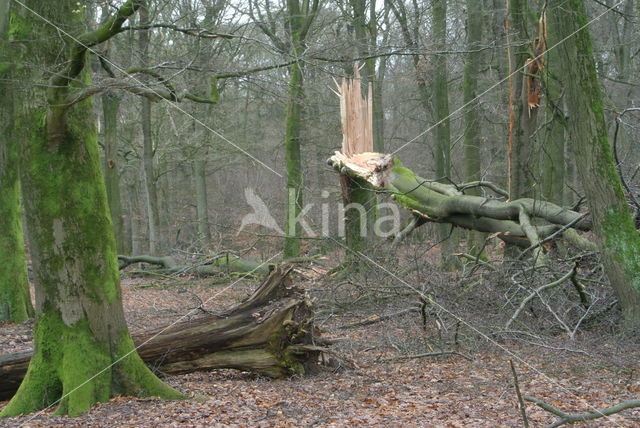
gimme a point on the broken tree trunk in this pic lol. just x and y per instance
(525, 221)
(271, 333)
(225, 263)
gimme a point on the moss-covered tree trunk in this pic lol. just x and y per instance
(15, 301)
(110, 108)
(472, 131)
(83, 350)
(617, 236)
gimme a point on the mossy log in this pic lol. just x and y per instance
(271, 333)
(226, 263)
(526, 220)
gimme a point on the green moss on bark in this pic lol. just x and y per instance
(15, 301)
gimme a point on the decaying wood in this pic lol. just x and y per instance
(526, 220)
(356, 114)
(271, 333)
(225, 263)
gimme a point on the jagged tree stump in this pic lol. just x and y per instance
(271, 333)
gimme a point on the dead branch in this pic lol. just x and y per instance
(569, 418)
(427, 355)
(523, 410)
(536, 292)
(378, 318)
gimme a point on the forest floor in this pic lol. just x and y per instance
(442, 391)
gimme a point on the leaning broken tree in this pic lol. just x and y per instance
(526, 222)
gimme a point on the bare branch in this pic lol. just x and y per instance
(567, 418)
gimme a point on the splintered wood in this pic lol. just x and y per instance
(356, 113)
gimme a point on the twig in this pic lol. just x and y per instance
(477, 260)
(567, 418)
(378, 318)
(535, 293)
(523, 410)
(427, 355)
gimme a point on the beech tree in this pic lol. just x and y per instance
(83, 350)
(617, 237)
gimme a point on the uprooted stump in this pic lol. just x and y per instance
(271, 333)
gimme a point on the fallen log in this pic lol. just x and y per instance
(225, 263)
(271, 333)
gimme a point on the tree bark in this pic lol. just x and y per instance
(271, 333)
(614, 227)
(15, 301)
(83, 352)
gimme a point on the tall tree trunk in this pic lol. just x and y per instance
(616, 233)
(15, 301)
(553, 161)
(148, 153)
(202, 205)
(83, 350)
(522, 119)
(293, 161)
(472, 129)
(110, 108)
(299, 17)
(440, 102)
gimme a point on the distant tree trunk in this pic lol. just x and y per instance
(522, 119)
(440, 100)
(202, 205)
(410, 36)
(618, 238)
(472, 128)
(110, 108)
(293, 161)
(15, 301)
(148, 153)
(83, 350)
